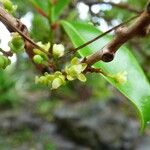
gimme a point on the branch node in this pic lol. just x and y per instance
(107, 56)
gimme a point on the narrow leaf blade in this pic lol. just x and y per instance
(59, 7)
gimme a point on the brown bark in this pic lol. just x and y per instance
(138, 28)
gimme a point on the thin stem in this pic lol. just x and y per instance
(50, 20)
(39, 10)
(8, 53)
(73, 51)
(103, 34)
(14, 25)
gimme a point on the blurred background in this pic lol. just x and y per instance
(78, 116)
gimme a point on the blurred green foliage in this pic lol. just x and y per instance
(23, 7)
(40, 30)
(45, 108)
(25, 138)
(8, 94)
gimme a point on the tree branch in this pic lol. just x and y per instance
(14, 25)
(103, 34)
(139, 28)
(74, 50)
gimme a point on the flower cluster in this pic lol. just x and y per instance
(75, 70)
(51, 80)
(40, 57)
(17, 43)
(8, 6)
(72, 72)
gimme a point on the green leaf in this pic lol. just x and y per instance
(137, 88)
(55, 10)
(58, 8)
(42, 4)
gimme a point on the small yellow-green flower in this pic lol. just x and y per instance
(74, 71)
(59, 79)
(58, 50)
(42, 54)
(38, 59)
(8, 5)
(120, 77)
(44, 46)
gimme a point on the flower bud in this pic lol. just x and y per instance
(17, 43)
(41, 80)
(58, 50)
(4, 62)
(42, 54)
(38, 59)
(8, 5)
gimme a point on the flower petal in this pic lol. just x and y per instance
(70, 78)
(74, 61)
(82, 77)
